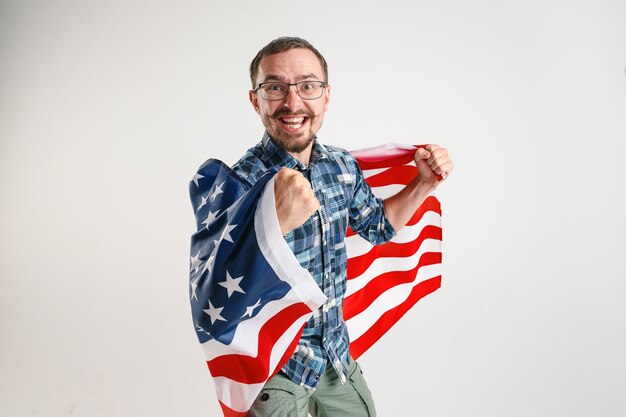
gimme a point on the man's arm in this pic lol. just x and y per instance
(432, 162)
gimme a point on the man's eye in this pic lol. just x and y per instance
(308, 86)
(275, 87)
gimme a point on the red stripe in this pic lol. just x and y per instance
(430, 204)
(361, 300)
(253, 370)
(229, 412)
(288, 352)
(404, 156)
(387, 320)
(359, 264)
(402, 175)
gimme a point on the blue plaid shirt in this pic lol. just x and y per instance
(345, 199)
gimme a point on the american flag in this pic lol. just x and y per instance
(250, 298)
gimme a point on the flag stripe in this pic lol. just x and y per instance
(361, 263)
(246, 338)
(392, 298)
(402, 174)
(384, 282)
(357, 246)
(382, 266)
(252, 369)
(359, 345)
(384, 156)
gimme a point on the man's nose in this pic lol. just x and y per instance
(293, 100)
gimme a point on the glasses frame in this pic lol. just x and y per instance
(324, 85)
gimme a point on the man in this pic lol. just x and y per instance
(319, 191)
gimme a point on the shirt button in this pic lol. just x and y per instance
(265, 396)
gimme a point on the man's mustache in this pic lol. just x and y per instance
(283, 111)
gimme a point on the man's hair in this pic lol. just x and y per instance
(283, 44)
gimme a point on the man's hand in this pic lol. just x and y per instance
(294, 198)
(433, 163)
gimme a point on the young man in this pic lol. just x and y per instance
(319, 191)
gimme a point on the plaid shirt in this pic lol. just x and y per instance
(345, 199)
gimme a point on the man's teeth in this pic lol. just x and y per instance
(293, 122)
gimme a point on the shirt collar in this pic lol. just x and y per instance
(279, 156)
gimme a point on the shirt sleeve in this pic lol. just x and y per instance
(250, 168)
(366, 211)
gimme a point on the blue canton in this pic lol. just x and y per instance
(345, 199)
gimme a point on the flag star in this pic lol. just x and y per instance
(195, 263)
(250, 310)
(196, 177)
(202, 203)
(218, 191)
(194, 286)
(210, 218)
(200, 329)
(232, 284)
(214, 313)
(208, 266)
(226, 233)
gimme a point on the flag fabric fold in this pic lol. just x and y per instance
(250, 298)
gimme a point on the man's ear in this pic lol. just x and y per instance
(254, 100)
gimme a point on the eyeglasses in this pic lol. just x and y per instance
(308, 90)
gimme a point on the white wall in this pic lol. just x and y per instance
(108, 107)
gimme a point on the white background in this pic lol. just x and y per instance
(108, 107)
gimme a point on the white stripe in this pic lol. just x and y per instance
(391, 298)
(236, 395)
(382, 265)
(357, 246)
(371, 172)
(391, 189)
(387, 190)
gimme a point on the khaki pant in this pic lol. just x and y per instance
(282, 398)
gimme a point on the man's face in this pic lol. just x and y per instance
(292, 121)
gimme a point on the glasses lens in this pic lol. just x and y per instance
(310, 89)
(274, 91)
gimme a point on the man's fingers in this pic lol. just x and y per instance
(421, 153)
(437, 154)
(442, 166)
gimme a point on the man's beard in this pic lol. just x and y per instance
(291, 142)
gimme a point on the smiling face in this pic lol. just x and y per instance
(292, 122)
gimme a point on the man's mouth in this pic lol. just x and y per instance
(293, 122)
